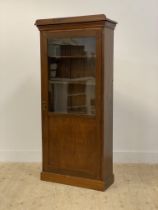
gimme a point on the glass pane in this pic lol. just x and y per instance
(71, 75)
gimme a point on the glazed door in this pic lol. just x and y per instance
(71, 102)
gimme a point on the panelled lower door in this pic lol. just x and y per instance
(71, 102)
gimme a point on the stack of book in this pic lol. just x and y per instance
(52, 70)
(72, 50)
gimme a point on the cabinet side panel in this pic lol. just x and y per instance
(108, 103)
(44, 99)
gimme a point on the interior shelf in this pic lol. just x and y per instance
(72, 56)
(79, 106)
(77, 94)
(88, 80)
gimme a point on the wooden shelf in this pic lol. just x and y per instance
(77, 94)
(91, 80)
(75, 106)
(72, 56)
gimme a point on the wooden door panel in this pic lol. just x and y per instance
(73, 145)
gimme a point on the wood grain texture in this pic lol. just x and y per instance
(80, 146)
(107, 160)
(73, 146)
(70, 20)
(77, 181)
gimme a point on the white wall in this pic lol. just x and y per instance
(135, 78)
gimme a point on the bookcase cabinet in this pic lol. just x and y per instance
(77, 100)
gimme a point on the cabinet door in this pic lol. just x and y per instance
(71, 97)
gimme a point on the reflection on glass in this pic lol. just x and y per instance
(71, 73)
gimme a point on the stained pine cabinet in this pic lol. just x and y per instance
(77, 100)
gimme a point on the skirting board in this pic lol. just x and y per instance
(135, 157)
(20, 156)
(119, 156)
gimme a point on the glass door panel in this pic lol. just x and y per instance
(72, 75)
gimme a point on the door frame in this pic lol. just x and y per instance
(44, 35)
